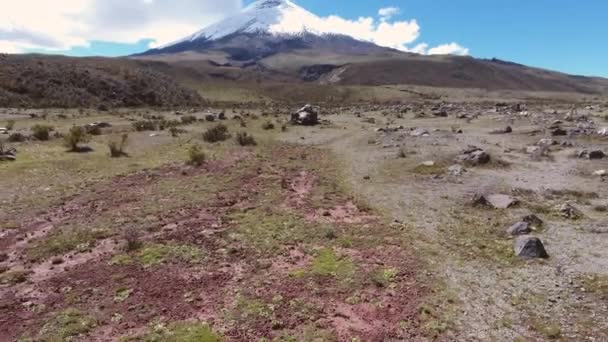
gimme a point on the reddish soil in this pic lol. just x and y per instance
(231, 269)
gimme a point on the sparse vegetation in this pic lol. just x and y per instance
(196, 155)
(76, 136)
(245, 139)
(17, 137)
(179, 332)
(188, 119)
(216, 134)
(42, 132)
(117, 147)
(66, 325)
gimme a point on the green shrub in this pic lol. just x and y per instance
(245, 139)
(42, 132)
(216, 134)
(196, 156)
(117, 147)
(75, 136)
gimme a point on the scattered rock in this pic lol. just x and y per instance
(428, 163)
(567, 210)
(533, 149)
(456, 170)
(603, 132)
(533, 220)
(595, 154)
(210, 118)
(474, 156)
(530, 247)
(546, 142)
(497, 201)
(505, 130)
(520, 228)
(8, 154)
(558, 132)
(307, 116)
(600, 173)
(420, 132)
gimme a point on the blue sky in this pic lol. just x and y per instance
(564, 35)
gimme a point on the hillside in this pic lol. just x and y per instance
(55, 81)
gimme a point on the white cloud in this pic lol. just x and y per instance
(443, 49)
(62, 24)
(386, 13)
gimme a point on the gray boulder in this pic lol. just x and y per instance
(520, 228)
(496, 201)
(306, 116)
(529, 247)
(474, 156)
(533, 221)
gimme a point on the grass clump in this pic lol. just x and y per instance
(550, 330)
(434, 169)
(13, 277)
(76, 135)
(196, 155)
(179, 332)
(328, 264)
(156, 254)
(384, 277)
(245, 139)
(117, 147)
(216, 134)
(65, 241)
(66, 325)
(42, 132)
(597, 284)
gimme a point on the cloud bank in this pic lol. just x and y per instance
(60, 25)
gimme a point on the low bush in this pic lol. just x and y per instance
(245, 139)
(17, 137)
(77, 135)
(188, 119)
(216, 134)
(42, 132)
(117, 147)
(196, 156)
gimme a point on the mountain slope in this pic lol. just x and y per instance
(278, 41)
(56, 81)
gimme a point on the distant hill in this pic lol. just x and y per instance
(56, 81)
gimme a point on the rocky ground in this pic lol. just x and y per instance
(421, 221)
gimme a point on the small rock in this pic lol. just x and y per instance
(533, 220)
(530, 247)
(429, 163)
(558, 132)
(520, 228)
(600, 173)
(567, 210)
(420, 132)
(533, 149)
(456, 170)
(546, 142)
(497, 201)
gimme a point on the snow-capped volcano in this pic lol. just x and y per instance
(267, 27)
(263, 16)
